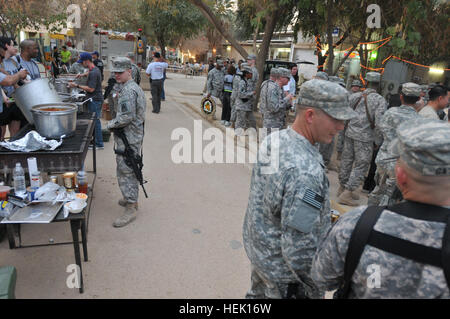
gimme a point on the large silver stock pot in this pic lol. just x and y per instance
(36, 92)
(54, 120)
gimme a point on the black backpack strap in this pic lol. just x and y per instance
(358, 240)
(446, 252)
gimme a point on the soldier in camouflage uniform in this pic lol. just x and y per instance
(423, 176)
(359, 139)
(273, 102)
(236, 80)
(129, 115)
(215, 83)
(288, 211)
(384, 191)
(253, 82)
(355, 88)
(135, 70)
(244, 100)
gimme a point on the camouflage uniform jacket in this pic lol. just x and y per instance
(136, 73)
(399, 277)
(244, 96)
(215, 83)
(288, 211)
(388, 126)
(359, 128)
(273, 104)
(236, 80)
(130, 114)
(255, 77)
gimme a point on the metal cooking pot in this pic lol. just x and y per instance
(36, 92)
(61, 86)
(53, 120)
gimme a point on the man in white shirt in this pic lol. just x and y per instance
(155, 71)
(290, 87)
(439, 98)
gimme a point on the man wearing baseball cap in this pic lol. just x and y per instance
(94, 91)
(288, 211)
(405, 246)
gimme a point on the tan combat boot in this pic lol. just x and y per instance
(128, 216)
(333, 167)
(347, 199)
(123, 202)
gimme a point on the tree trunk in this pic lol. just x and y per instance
(207, 12)
(264, 49)
(162, 45)
(255, 37)
(330, 37)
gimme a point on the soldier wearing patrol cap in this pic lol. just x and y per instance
(273, 102)
(355, 88)
(244, 102)
(215, 83)
(383, 194)
(360, 138)
(236, 80)
(135, 70)
(253, 82)
(129, 115)
(288, 211)
(407, 244)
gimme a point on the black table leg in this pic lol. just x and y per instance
(84, 239)
(75, 225)
(11, 239)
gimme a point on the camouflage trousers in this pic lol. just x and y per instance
(233, 111)
(263, 288)
(355, 163)
(340, 142)
(326, 150)
(245, 119)
(128, 184)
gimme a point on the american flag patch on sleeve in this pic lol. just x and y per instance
(313, 199)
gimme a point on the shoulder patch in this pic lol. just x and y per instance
(312, 198)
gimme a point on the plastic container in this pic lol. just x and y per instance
(82, 182)
(35, 181)
(20, 188)
(4, 191)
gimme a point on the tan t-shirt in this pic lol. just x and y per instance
(429, 112)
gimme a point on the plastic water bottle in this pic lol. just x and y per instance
(20, 188)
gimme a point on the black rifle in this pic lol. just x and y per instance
(133, 161)
(109, 88)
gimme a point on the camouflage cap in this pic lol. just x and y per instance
(411, 89)
(219, 62)
(356, 83)
(251, 57)
(130, 54)
(373, 77)
(121, 64)
(424, 87)
(327, 96)
(284, 73)
(334, 79)
(274, 71)
(424, 144)
(321, 75)
(246, 67)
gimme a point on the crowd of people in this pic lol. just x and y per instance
(398, 245)
(234, 86)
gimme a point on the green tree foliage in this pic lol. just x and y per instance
(167, 22)
(33, 14)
